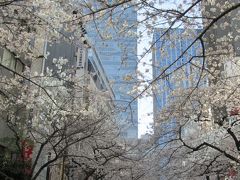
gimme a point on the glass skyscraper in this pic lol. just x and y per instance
(117, 51)
(166, 51)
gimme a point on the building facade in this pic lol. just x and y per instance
(9, 66)
(223, 56)
(166, 51)
(85, 66)
(118, 54)
(222, 46)
(175, 76)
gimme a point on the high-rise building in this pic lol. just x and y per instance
(167, 50)
(174, 75)
(118, 54)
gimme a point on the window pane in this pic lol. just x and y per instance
(19, 67)
(8, 60)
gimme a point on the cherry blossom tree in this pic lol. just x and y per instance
(46, 115)
(205, 137)
(60, 128)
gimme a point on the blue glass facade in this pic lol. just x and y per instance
(118, 55)
(167, 49)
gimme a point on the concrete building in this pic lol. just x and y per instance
(222, 47)
(84, 65)
(8, 60)
(9, 64)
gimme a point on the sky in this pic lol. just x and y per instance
(145, 104)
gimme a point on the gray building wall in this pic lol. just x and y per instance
(222, 45)
(8, 60)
